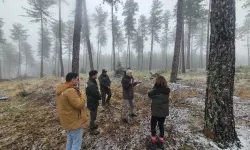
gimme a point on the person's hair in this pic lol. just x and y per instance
(71, 76)
(161, 82)
(93, 72)
(129, 71)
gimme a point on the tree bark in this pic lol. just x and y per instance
(77, 36)
(129, 56)
(189, 44)
(86, 22)
(208, 33)
(177, 41)
(219, 113)
(60, 40)
(1, 69)
(113, 34)
(151, 53)
(183, 69)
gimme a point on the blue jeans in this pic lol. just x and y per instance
(74, 139)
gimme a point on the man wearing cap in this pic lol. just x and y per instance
(128, 84)
(105, 87)
(93, 97)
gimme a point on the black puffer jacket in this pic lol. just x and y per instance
(104, 82)
(160, 101)
(128, 84)
(93, 94)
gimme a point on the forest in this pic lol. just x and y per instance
(202, 47)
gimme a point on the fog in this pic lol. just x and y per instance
(11, 12)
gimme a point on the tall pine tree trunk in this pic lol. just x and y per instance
(248, 50)
(177, 41)
(142, 52)
(19, 59)
(77, 36)
(60, 40)
(113, 34)
(201, 45)
(219, 113)
(86, 22)
(129, 56)
(97, 55)
(41, 71)
(151, 52)
(183, 69)
(189, 46)
(208, 33)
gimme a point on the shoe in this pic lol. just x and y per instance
(125, 121)
(95, 127)
(161, 145)
(94, 132)
(132, 115)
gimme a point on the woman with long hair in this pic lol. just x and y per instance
(159, 107)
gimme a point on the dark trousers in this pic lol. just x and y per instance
(93, 114)
(104, 95)
(160, 121)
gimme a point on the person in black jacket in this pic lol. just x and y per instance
(93, 97)
(128, 84)
(159, 107)
(105, 87)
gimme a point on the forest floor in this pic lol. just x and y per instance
(28, 119)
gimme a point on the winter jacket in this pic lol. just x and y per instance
(104, 82)
(93, 94)
(160, 101)
(128, 84)
(71, 107)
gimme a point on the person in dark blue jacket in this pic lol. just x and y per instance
(159, 107)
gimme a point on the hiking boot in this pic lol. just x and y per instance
(132, 115)
(94, 132)
(125, 121)
(95, 127)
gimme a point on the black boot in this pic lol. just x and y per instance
(94, 132)
(132, 115)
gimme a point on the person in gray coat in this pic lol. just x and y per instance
(159, 107)
(128, 83)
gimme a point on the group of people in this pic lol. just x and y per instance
(72, 111)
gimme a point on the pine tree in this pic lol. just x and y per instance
(113, 3)
(142, 29)
(179, 28)
(219, 114)
(68, 40)
(129, 11)
(155, 23)
(39, 11)
(46, 44)
(77, 36)
(28, 54)
(165, 36)
(19, 35)
(2, 40)
(100, 19)
(193, 10)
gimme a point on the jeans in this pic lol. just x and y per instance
(104, 94)
(160, 121)
(74, 139)
(93, 114)
(128, 105)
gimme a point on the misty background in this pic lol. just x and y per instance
(11, 12)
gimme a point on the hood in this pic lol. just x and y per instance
(61, 88)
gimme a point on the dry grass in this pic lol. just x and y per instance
(243, 93)
(181, 95)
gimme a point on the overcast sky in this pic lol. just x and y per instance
(11, 10)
